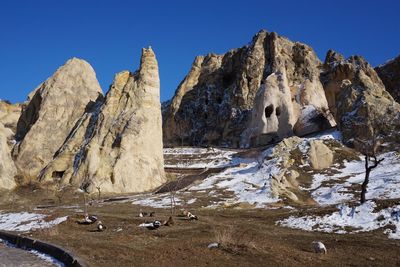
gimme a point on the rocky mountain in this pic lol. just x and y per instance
(50, 113)
(390, 76)
(253, 95)
(274, 88)
(117, 145)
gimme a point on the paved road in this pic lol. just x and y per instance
(10, 257)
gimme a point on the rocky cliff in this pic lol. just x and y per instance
(50, 113)
(274, 88)
(358, 99)
(390, 76)
(117, 145)
(253, 95)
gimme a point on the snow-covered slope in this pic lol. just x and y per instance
(255, 177)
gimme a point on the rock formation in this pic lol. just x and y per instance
(358, 99)
(50, 113)
(7, 167)
(9, 115)
(270, 87)
(321, 157)
(117, 145)
(390, 76)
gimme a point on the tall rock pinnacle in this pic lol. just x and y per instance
(118, 145)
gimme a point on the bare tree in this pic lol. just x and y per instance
(368, 168)
(97, 185)
(60, 192)
(175, 186)
(369, 148)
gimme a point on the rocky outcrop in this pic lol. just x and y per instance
(9, 115)
(117, 145)
(50, 113)
(358, 99)
(321, 157)
(390, 76)
(253, 95)
(7, 167)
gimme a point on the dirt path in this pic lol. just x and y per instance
(11, 257)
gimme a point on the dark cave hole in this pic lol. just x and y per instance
(268, 111)
(57, 174)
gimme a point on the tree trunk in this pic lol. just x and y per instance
(364, 185)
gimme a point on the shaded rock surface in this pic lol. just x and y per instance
(7, 167)
(390, 76)
(50, 113)
(9, 114)
(117, 145)
(270, 87)
(358, 99)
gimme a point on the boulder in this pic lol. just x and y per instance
(320, 156)
(50, 113)
(117, 145)
(390, 76)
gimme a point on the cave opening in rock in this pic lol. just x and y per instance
(57, 174)
(278, 111)
(268, 111)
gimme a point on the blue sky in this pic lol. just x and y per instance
(36, 37)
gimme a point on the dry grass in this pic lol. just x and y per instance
(48, 232)
(234, 240)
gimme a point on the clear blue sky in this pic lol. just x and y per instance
(36, 37)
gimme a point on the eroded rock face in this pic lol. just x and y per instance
(358, 99)
(270, 86)
(390, 76)
(7, 167)
(50, 113)
(321, 157)
(117, 146)
(9, 115)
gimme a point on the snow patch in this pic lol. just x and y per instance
(158, 201)
(350, 220)
(250, 181)
(384, 181)
(25, 221)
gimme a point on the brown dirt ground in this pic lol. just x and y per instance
(259, 241)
